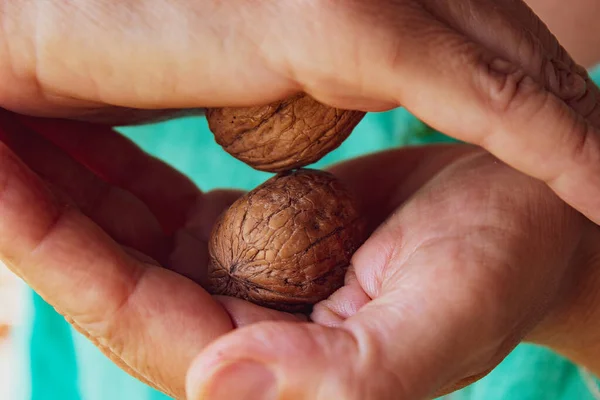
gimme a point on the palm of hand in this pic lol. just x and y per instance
(417, 267)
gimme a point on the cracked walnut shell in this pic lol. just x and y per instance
(284, 135)
(287, 244)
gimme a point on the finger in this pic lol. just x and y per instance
(121, 300)
(116, 116)
(522, 13)
(122, 215)
(342, 304)
(575, 27)
(465, 91)
(124, 306)
(168, 193)
(511, 30)
(587, 104)
(495, 104)
(400, 172)
(426, 225)
(96, 112)
(571, 328)
(450, 301)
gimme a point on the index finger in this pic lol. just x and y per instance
(469, 93)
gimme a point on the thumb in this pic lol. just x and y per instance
(423, 313)
(399, 346)
(409, 343)
(406, 344)
(273, 361)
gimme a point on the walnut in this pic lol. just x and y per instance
(285, 135)
(286, 244)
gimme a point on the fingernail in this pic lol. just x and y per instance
(242, 380)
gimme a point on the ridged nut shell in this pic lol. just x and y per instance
(287, 244)
(285, 135)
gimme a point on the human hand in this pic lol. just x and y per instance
(475, 258)
(88, 220)
(458, 275)
(483, 71)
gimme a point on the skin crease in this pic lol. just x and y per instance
(49, 248)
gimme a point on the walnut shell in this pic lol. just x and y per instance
(287, 244)
(285, 135)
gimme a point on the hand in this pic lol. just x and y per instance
(475, 258)
(484, 71)
(88, 229)
(87, 219)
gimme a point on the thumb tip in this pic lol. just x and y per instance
(242, 379)
(270, 358)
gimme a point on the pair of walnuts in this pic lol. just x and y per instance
(286, 244)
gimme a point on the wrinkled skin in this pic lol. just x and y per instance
(286, 244)
(436, 297)
(281, 136)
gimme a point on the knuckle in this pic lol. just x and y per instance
(564, 82)
(510, 100)
(584, 95)
(107, 322)
(507, 88)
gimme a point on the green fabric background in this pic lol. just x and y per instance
(59, 363)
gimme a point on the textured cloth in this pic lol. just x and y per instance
(59, 363)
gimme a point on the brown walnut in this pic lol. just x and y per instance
(285, 135)
(286, 244)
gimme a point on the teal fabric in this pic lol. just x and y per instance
(62, 364)
(49, 331)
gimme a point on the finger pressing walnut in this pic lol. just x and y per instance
(285, 135)
(286, 244)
